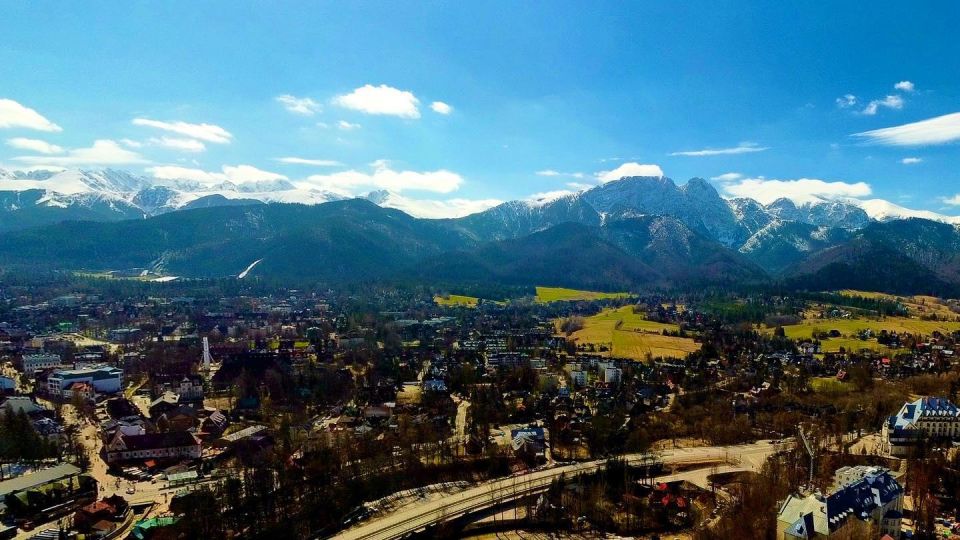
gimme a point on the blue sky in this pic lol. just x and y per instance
(774, 92)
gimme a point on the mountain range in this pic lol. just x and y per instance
(633, 232)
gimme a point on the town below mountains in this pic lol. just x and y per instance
(636, 232)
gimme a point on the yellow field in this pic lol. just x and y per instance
(629, 335)
(850, 327)
(559, 294)
(456, 300)
(829, 385)
(917, 305)
(853, 344)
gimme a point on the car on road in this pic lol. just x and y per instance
(131, 491)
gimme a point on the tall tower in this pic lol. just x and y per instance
(207, 359)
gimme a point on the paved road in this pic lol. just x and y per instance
(416, 517)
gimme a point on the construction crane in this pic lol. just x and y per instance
(810, 450)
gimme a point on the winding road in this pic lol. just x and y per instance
(416, 517)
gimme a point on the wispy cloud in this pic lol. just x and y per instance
(890, 102)
(727, 177)
(952, 201)
(204, 132)
(551, 172)
(381, 100)
(911, 160)
(178, 143)
(800, 190)
(742, 148)
(311, 162)
(383, 176)
(846, 101)
(15, 115)
(234, 173)
(34, 145)
(347, 126)
(103, 152)
(439, 208)
(938, 130)
(548, 196)
(629, 169)
(297, 105)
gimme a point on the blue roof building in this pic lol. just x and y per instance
(928, 418)
(865, 493)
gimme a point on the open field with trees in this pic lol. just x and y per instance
(622, 333)
(559, 294)
(849, 328)
(456, 300)
(858, 324)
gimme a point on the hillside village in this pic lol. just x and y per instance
(137, 413)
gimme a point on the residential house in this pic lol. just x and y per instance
(152, 446)
(529, 442)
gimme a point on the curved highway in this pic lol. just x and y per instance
(417, 517)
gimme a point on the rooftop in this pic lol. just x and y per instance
(27, 481)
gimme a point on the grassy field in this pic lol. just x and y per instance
(916, 305)
(559, 294)
(830, 385)
(853, 344)
(629, 335)
(456, 300)
(850, 327)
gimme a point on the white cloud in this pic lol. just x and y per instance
(347, 126)
(742, 148)
(846, 101)
(727, 177)
(435, 209)
(237, 174)
(15, 115)
(952, 201)
(938, 130)
(175, 172)
(384, 177)
(579, 186)
(629, 169)
(204, 132)
(131, 143)
(381, 99)
(303, 106)
(890, 102)
(103, 152)
(551, 172)
(905, 86)
(440, 107)
(911, 160)
(801, 190)
(177, 143)
(249, 173)
(548, 196)
(313, 162)
(34, 145)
